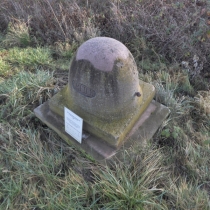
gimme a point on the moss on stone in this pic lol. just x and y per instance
(112, 131)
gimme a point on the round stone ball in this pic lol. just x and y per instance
(103, 79)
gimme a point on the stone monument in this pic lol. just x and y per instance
(104, 90)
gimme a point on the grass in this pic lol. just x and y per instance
(40, 174)
(170, 43)
(17, 59)
(29, 57)
(17, 35)
(25, 89)
(135, 183)
(4, 68)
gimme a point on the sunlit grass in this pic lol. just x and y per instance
(17, 59)
(5, 68)
(23, 89)
(29, 57)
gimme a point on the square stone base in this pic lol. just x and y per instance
(114, 131)
(144, 128)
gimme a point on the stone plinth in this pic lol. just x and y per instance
(143, 130)
(112, 131)
(105, 91)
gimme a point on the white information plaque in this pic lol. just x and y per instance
(73, 124)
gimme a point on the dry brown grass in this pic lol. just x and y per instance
(176, 30)
(49, 20)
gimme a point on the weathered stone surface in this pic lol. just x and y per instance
(105, 91)
(144, 128)
(103, 52)
(112, 131)
(103, 79)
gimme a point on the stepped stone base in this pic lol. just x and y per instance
(144, 128)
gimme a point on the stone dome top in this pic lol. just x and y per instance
(102, 52)
(103, 79)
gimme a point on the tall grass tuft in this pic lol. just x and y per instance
(134, 183)
(17, 34)
(25, 89)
